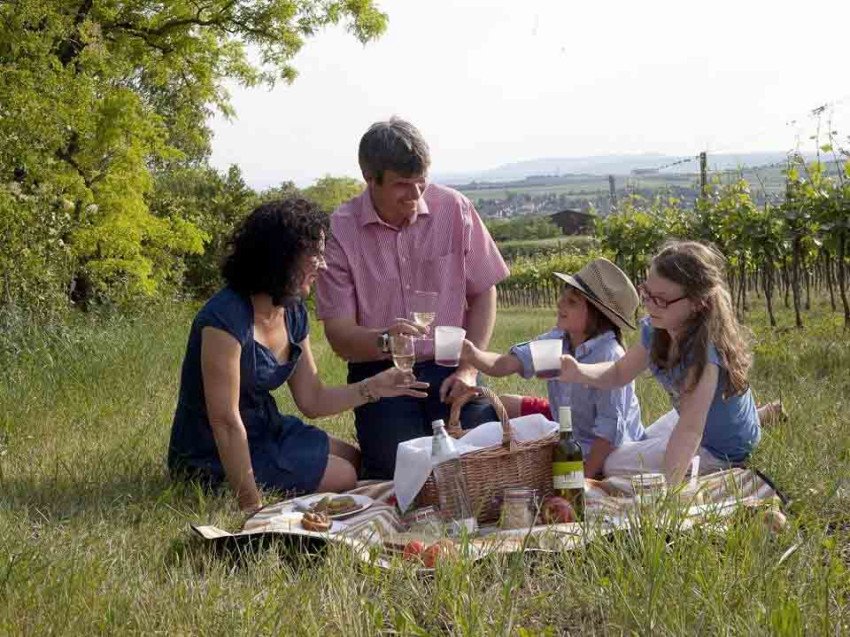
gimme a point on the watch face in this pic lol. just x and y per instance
(383, 342)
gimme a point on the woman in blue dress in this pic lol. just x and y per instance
(246, 341)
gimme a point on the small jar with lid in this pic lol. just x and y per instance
(649, 488)
(427, 521)
(519, 508)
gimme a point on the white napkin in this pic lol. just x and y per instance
(413, 458)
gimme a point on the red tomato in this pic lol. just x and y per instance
(438, 551)
(413, 550)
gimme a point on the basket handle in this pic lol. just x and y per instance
(453, 427)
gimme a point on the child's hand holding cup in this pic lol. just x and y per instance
(467, 352)
(569, 369)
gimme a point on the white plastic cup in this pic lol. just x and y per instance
(448, 342)
(546, 357)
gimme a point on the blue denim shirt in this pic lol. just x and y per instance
(612, 414)
(732, 427)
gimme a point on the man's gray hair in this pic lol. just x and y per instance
(393, 145)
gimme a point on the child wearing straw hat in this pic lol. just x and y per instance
(596, 303)
(695, 348)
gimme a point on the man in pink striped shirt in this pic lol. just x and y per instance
(403, 234)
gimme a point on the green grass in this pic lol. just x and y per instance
(94, 539)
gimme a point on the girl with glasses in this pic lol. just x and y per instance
(694, 346)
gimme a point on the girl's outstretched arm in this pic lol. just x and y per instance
(490, 363)
(608, 375)
(686, 437)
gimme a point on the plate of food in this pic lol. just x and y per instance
(333, 505)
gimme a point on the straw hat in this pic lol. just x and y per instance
(608, 288)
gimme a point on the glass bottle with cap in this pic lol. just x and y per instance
(451, 485)
(568, 465)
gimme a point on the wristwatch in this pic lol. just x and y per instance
(384, 342)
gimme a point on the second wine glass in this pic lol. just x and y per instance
(423, 308)
(403, 349)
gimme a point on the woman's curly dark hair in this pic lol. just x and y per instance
(266, 249)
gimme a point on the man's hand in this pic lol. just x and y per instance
(458, 384)
(403, 326)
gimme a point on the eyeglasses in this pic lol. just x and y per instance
(656, 301)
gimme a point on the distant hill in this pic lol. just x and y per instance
(607, 165)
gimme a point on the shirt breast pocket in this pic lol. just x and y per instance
(442, 272)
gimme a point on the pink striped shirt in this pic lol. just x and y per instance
(373, 268)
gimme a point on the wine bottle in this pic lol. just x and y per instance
(568, 465)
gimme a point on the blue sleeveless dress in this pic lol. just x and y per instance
(286, 453)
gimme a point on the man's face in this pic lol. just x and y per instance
(396, 197)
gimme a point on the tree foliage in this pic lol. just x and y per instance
(329, 192)
(523, 228)
(809, 226)
(97, 97)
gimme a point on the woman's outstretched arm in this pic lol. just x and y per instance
(316, 400)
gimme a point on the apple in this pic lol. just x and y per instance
(774, 521)
(413, 550)
(438, 551)
(557, 510)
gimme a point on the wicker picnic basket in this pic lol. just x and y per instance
(490, 471)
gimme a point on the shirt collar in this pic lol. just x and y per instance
(591, 345)
(368, 214)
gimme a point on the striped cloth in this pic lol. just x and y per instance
(377, 534)
(373, 268)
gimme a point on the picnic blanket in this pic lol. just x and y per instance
(378, 534)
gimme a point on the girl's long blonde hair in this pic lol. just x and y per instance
(701, 271)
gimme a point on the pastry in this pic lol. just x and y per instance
(316, 522)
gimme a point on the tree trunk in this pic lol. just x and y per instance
(795, 282)
(767, 284)
(827, 268)
(786, 279)
(807, 276)
(744, 307)
(842, 279)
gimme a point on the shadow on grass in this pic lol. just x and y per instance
(240, 551)
(51, 499)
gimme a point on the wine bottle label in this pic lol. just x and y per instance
(568, 475)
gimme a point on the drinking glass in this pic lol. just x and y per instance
(448, 342)
(423, 306)
(403, 349)
(546, 357)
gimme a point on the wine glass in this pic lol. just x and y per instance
(403, 349)
(423, 307)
